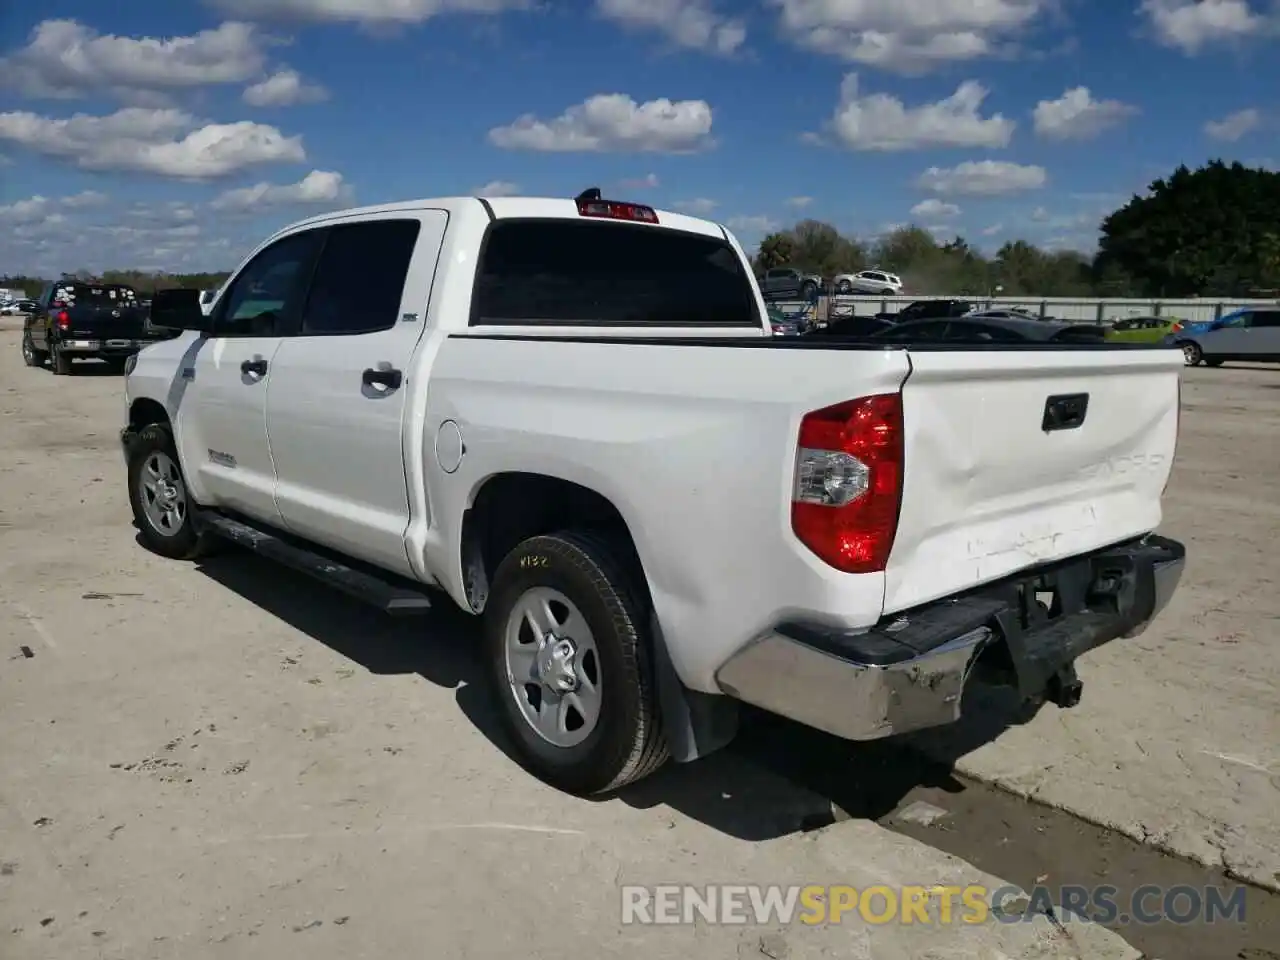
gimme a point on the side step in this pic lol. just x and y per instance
(397, 599)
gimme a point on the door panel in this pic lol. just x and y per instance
(334, 412)
(221, 422)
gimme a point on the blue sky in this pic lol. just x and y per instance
(174, 133)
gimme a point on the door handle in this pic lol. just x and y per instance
(257, 366)
(391, 379)
(1064, 412)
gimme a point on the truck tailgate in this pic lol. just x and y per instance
(992, 487)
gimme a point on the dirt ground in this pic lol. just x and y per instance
(228, 760)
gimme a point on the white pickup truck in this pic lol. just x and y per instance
(570, 417)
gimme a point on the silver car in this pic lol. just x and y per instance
(1252, 334)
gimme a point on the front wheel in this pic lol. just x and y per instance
(1191, 353)
(568, 653)
(162, 506)
(808, 291)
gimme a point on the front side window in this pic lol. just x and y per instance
(593, 273)
(266, 295)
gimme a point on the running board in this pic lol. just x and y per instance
(394, 598)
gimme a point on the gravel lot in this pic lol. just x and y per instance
(231, 761)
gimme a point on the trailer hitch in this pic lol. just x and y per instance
(1065, 687)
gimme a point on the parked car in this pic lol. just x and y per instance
(978, 328)
(782, 283)
(1252, 334)
(786, 324)
(868, 281)
(1143, 329)
(1008, 313)
(453, 417)
(78, 320)
(927, 309)
(15, 307)
(852, 327)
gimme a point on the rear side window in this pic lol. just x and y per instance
(1266, 318)
(609, 274)
(359, 278)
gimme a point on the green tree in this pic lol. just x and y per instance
(1207, 231)
(775, 251)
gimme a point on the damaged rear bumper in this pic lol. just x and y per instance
(910, 671)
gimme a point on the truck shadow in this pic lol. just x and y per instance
(776, 778)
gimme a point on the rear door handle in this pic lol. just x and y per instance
(256, 366)
(390, 378)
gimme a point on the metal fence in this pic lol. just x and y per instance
(1065, 308)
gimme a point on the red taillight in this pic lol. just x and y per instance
(612, 210)
(1175, 328)
(64, 320)
(848, 483)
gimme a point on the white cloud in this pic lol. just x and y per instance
(1077, 116)
(37, 207)
(284, 88)
(982, 178)
(879, 121)
(323, 188)
(799, 202)
(86, 198)
(1234, 125)
(698, 207)
(647, 182)
(907, 36)
(368, 12)
(167, 143)
(65, 59)
(1041, 215)
(752, 225)
(935, 208)
(613, 122)
(687, 23)
(497, 188)
(1192, 25)
(992, 230)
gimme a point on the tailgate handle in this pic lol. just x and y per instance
(1064, 412)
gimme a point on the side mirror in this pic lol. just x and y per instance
(179, 310)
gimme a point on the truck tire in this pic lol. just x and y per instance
(568, 653)
(162, 505)
(61, 362)
(30, 355)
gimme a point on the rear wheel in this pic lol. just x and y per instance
(808, 290)
(1191, 353)
(30, 355)
(569, 656)
(888, 292)
(845, 288)
(61, 362)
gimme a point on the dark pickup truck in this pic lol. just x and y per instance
(77, 320)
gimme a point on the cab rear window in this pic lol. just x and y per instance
(591, 273)
(94, 295)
